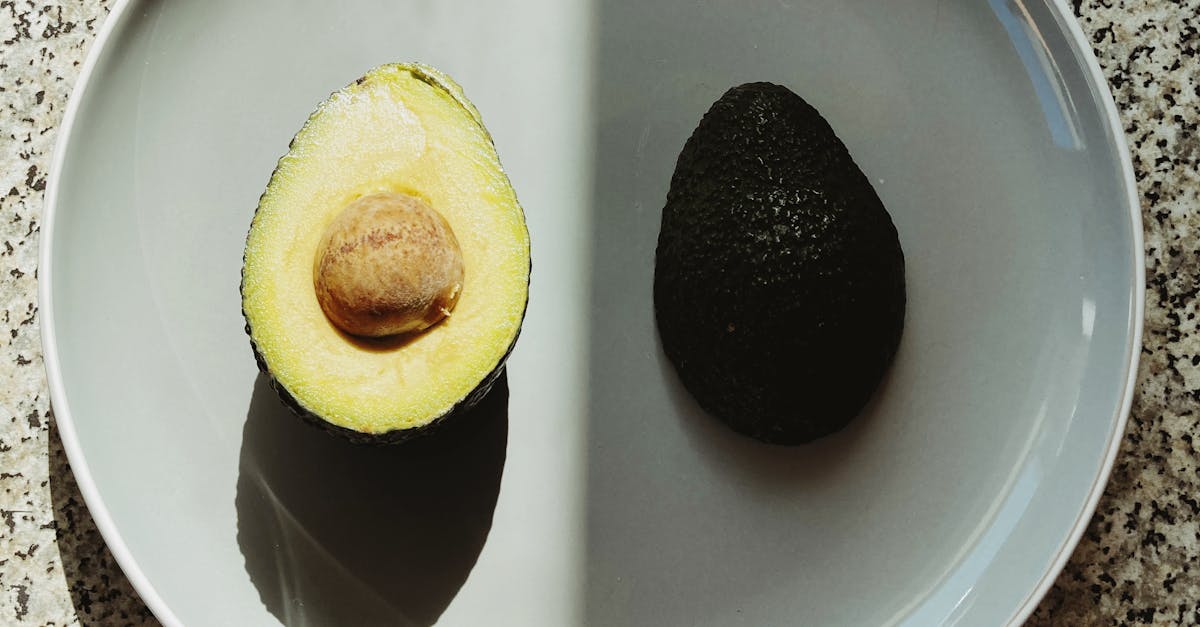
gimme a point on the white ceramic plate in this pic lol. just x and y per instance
(595, 492)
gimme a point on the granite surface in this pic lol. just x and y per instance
(1137, 564)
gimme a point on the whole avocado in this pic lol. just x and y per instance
(779, 277)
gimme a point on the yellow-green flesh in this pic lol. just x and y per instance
(408, 129)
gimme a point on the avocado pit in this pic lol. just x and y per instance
(387, 264)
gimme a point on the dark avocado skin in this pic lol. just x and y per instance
(779, 278)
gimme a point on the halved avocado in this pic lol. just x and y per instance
(403, 137)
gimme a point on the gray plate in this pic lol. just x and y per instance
(595, 491)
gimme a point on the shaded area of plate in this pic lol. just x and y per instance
(341, 534)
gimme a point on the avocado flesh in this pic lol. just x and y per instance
(779, 277)
(401, 128)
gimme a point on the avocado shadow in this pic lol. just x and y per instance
(335, 533)
(784, 467)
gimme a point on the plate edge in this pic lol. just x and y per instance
(1066, 19)
(58, 398)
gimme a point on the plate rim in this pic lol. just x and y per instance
(58, 394)
(1077, 41)
(1065, 17)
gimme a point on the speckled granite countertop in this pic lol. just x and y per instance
(1137, 564)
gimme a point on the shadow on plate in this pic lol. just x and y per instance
(342, 534)
(725, 516)
(780, 467)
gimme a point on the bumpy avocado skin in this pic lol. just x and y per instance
(440, 81)
(779, 277)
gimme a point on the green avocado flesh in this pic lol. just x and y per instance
(779, 277)
(402, 129)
